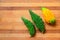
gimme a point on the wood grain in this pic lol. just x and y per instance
(28, 1)
(13, 28)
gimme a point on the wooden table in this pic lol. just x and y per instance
(12, 27)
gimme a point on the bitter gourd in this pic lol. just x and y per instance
(37, 21)
(30, 26)
(48, 16)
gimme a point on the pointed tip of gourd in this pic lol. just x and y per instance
(22, 18)
(44, 31)
(43, 8)
(32, 35)
(30, 11)
(52, 21)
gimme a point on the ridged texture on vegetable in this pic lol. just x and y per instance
(48, 16)
(38, 21)
(30, 26)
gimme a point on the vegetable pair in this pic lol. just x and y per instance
(38, 22)
(48, 16)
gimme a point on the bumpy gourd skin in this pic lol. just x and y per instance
(37, 21)
(30, 26)
(48, 16)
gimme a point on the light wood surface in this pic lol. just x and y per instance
(13, 28)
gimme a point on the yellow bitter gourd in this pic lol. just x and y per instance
(48, 16)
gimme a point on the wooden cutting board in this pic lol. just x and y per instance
(12, 27)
